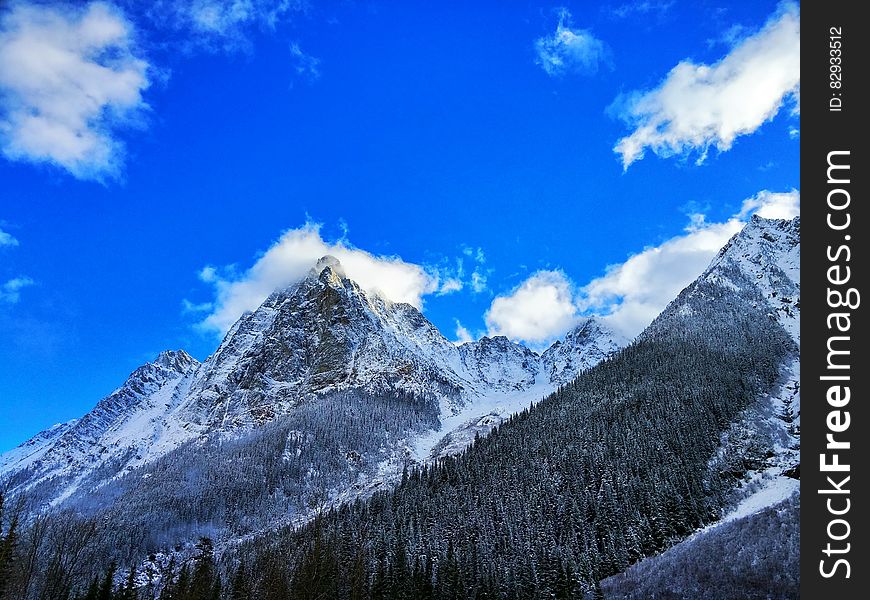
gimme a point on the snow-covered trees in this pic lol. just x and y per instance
(615, 466)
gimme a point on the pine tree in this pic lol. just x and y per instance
(8, 542)
(240, 589)
(181, 589)
(167, 592)
(93, 592)
(203, 579)
(129, 592)
(107, 586)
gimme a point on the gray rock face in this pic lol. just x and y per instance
(319, 336)
(585, 346)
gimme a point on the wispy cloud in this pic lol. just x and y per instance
(70, 80)
(6, 239)
(641, 8)
(701, 106)
(10, 291)
(570, 49)
(477, 281)
(462, 334)
(453, 284)
(195, 307)
(306, 66)
(221, 25)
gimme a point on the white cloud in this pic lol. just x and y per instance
(478, 282)
(6, 239)
(462, 334)
(221, 18)
(636, 291)
(772, 205)
(450, 285)
(11, 290)
(633, 293)
(643, 8)
(192, 307)
(630, 294)
(541, 308)
(221, 24)
(208, 274)
(69, 79)
(475, 254)
(294, 254)
(306, 65)
(698, 106)
(570, 50)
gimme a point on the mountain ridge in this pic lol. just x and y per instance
(316, 337)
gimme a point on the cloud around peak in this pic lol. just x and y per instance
(291, 257)
(631, 294)
(538, 310)
(699, 106)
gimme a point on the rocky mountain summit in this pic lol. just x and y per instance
(318, 337)
(326, 392)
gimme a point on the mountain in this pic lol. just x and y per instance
(333, 428)
(760, 552)
(690, 426)
(321, 395)
(585, 346)
(122, 426)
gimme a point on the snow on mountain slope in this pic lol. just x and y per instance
(35, 448)
(585, 346)
(518, 377)
(761, 266)
(319, 336)
(124, 423)
(768, 252)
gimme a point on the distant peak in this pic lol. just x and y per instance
(177, 360)
(594, 328)
(329, 262)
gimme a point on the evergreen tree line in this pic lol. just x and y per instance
(614, 467)
(754, 558)
(228, 487)
(618, 465)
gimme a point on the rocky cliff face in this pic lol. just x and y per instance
(320, 336)
(325, 392)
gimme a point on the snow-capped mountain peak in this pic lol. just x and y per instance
(331, 263)
(767, 252)
(317, 337)
(123, 423)
(586, 345)
(176, 360)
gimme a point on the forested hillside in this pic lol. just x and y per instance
(630, 458)
(754, 558)
(613, 467)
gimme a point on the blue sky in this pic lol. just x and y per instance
(491, 162)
